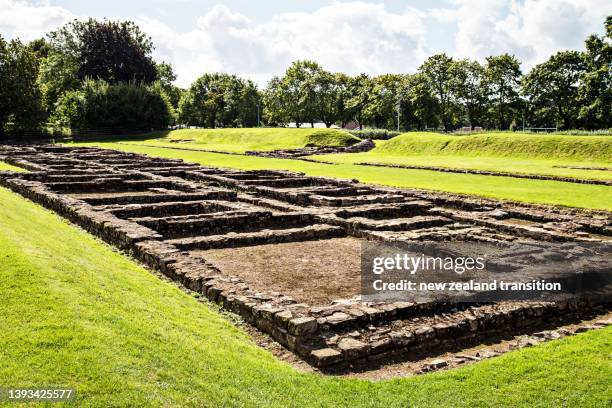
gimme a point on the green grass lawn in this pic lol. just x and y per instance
(579, 148)
(518, 153)
(535, 191)
(514, 165)
(5, 166)
(76, 314)
(239, 140)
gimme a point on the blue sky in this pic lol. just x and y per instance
(258, 39)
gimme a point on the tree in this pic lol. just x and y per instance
(469, 89)
(595, 90)
(330, 94)
(20, 97)
(438, 74)
(241, 99)
(220, 100)
(554, 85)
(345, 114)
(304, 94)
(166, 77)
(40, 47)
(423, 105)
(360, 92)
(114, 51)
(277, 108)
(57, 75)
(300, 85)
(386, 95)
(203, 101)
(503, 75)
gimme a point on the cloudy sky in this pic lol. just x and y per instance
(259, 39)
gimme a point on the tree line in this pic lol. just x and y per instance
(101, 75)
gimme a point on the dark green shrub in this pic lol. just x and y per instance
(117, 107)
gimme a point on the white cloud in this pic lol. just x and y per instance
(28, 20)
(351, 37)
(532, 30)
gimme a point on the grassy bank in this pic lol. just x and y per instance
(535, 191)
(516, 145)
(76, 314)
(239, 140)
(508, 152)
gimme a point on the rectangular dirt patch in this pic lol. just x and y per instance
(313, 272)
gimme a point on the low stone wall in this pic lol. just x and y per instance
(362, 146)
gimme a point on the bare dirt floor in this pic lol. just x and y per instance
(313, 272)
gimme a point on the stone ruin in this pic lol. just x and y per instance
(170, 215)
(362, 146)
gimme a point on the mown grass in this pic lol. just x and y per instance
(534, 191)
(504, 164)
(8, 167)
(516, 145)
(76, 314)
(239, 140)
(508, 152)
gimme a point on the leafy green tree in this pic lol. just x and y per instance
(422, 106)
(166, 78)
(503, 75)
(386, 97)
(437, 71)
(360, 92)
(300, 85)
(595, 90)
(241, 99)
(330, 97)
(554, 85)
(20, 97)
(57, 75)
(345, 114)
(220, 100)
(277, 107)
(469, 90)
(203, 102)
(108, 50)
(40, 47)
(307, 93)
(114, 51)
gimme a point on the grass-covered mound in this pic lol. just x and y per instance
(239, 140)
(595, 148)
(76, 314)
